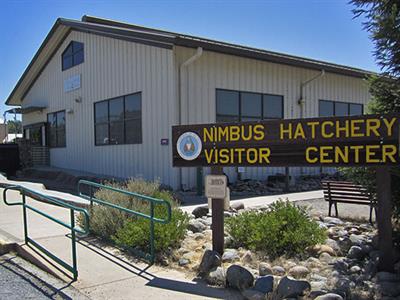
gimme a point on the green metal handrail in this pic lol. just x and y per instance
(151, 218)
(71, 226)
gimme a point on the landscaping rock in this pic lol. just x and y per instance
(318, 285)
(355, 269)
(196, 226)
(211, 259)
(329, 296)
(264, 269)
(356, 252)
(239, 278)
(230, 255)
(200, 211)
(216, 276)
(278, 270)
(247, 257)
(318, 249)
(357, 240)
(237, 205)
(264, 284)
(334, 245)
(332, 221)
(252, 294)
(288, 288)
(299, 272)
(326, 258)
(183, 262)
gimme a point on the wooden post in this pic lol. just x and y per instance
(384, 218)
(217, 218)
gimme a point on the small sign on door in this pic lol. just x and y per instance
(216, 186)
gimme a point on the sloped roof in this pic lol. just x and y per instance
(159, 38)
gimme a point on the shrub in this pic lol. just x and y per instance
(132, 231)
(282, 229)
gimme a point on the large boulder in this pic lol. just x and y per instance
(253, 294)
(200, 211)
(196, 226)
(356, 252)
(216, 276)
(292, 288)
(264, 284)
(211, 259)
(239, 278)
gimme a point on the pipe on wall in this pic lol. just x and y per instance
(181, 91)
(302, 100)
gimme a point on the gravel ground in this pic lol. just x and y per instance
(14, 285)
(346, 211)
(20, 279)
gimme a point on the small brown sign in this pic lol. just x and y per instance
(333, 141)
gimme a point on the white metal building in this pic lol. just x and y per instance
(103, 95)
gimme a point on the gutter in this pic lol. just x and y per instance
(181, 91)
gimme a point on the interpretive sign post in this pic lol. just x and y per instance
(368, 140)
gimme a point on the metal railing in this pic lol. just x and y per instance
(92, 186)
(24, 192)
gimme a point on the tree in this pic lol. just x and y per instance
(382, 21)
(14, 126)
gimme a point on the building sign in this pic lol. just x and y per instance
(333, 141)
(215, 186)
(72, 83)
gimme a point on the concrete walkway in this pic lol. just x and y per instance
(104, 272)
(266, 200)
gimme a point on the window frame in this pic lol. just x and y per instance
(334, 107)
(72, 55)
(240, 92)
(125, 119)
(48, 131)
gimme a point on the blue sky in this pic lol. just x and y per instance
(319, 29)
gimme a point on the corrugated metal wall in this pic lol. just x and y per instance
(111, 68)
(114, 67)
(214, 70)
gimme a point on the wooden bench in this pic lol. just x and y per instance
(347, 192)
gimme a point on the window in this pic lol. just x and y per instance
(235, 106)
(56, 129)
(334, 108)
(72, 55)
(119, 120)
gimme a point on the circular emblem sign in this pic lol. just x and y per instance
(189, 146)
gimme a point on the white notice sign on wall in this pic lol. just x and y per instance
(72, 83)
(216, 186)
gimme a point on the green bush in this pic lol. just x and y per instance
(132, 231)
(283, 229)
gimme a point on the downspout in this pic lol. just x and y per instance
(302, 100)
(185, 64)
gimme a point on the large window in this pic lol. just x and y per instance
(235, 106)
(72, 55)
(119, 120)
(329, 108)
(56, 129)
